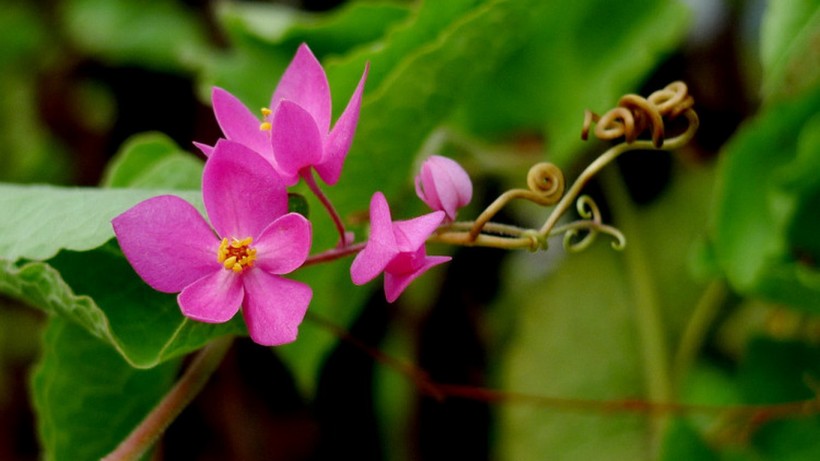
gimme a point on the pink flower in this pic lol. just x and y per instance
(444, 185)
(294, 133)
(174, 249)
(395, 248)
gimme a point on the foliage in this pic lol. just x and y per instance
(722, 246)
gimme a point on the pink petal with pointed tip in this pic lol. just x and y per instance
(284, 245)
(305, 83)
(238, 123)
(168, 242)
(274, 307)
(241, 191)
(413, 233)
(341, 137)
(295, 138)
(214, 298)
(204, 148)
(395, 284)
(381, 246)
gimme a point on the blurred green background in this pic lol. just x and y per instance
(714, 301)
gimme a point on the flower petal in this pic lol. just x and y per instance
(394, 284)
(214, 298)
(305, 83)
(341, 137)
(167, 241)
(296, 140)
(425, 189)
(453, 184)
(204, 148)
(238, 123)
(241, 191)
(381, 246)
(444, 185)
(412, 233)
(284, 245)
(274, 307)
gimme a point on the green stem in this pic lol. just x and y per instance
(653, 343)
(702, 317)
(189, 385)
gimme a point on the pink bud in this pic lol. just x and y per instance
(444, 185)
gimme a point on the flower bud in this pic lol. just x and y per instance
(444, 185)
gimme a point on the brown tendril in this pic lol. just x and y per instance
(546, 187)
(635, 114)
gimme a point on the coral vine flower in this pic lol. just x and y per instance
(395, 248)
(444, 185)
(294, 133)
(174, 249)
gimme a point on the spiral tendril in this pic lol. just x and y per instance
(546, 187)
(546, 180)
(635, 114)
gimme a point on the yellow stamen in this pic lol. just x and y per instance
(265, 125)
(236, 254)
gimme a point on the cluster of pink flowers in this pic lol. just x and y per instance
(236, 258)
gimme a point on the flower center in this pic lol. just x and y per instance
(235, 254)
(265, 125)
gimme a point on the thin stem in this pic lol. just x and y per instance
(334, 254)
(183, 392)
(693, 335)
(758, 413)
(528, 241)
(653, 343)
(307, 175)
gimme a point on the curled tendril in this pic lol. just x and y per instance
(636, 114)
(579, 235)
(633, 117)
(546, 180)
(546, 187)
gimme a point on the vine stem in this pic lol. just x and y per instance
(307, 175)
(696, 328)
(183, 392)
(653, 343)
(756, 413)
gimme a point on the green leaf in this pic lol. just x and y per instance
(574, 338)
(39, 221)
(332, 32)
(765, 222)
(297, 203)
(775, 371)
(789, 51)
(424, 70)
(30, 152)
(22, 33)
(87, 399)
(579, 54)
(162, 35)
(99, 291)
(153, 160)
(682, 442)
